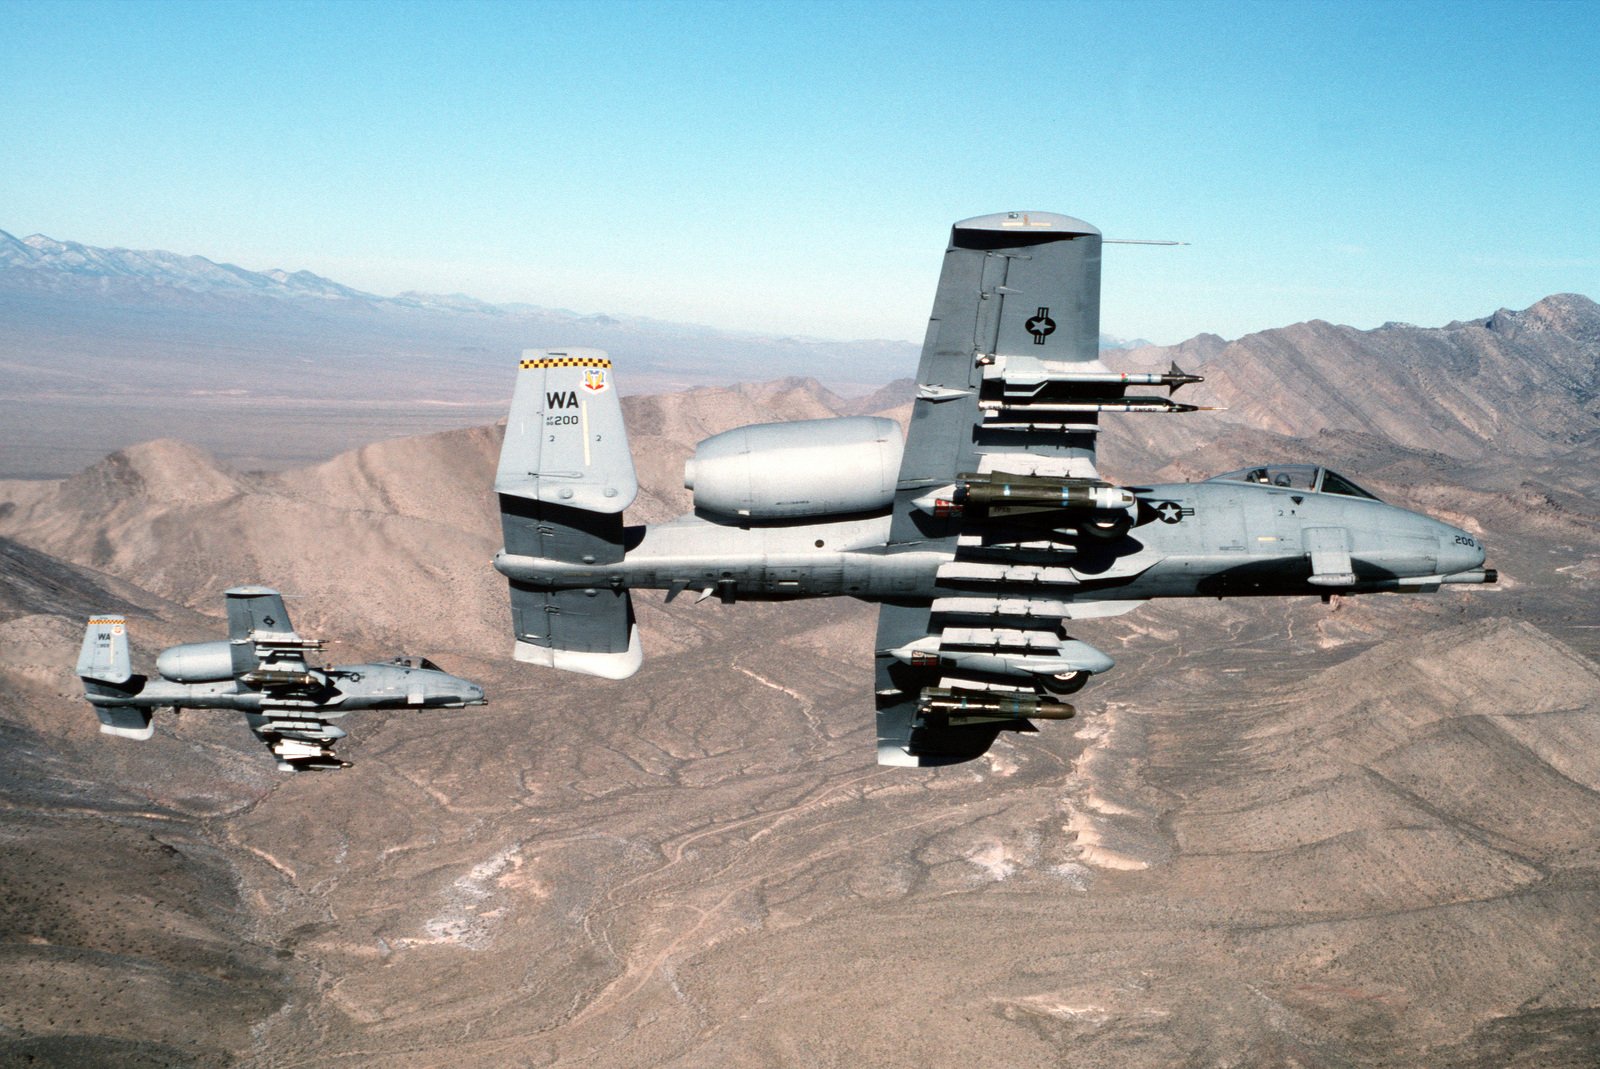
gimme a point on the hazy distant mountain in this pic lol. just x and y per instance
(1514, 383)
(61, 299)
(1108, 341)
(62, 265)
(169, 314)
(45, 263)
(1521, 383)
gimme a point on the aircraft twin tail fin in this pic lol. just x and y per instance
(565, 476)
(105, 657)
(106, 668)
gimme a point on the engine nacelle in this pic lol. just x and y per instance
(197, 662)
(812, 467)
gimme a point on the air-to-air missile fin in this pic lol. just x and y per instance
(1177, 377)
(565, 476)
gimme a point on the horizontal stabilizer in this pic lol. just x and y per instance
(591, 632)
(555, 532)
(125, 721)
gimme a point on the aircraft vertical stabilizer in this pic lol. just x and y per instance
(565, 476)
(106, 669)
(104, 657)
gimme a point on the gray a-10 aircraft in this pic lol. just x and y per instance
(981, 536)
(260, 669)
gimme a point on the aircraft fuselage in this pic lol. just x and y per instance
(334, 692)
(1189, 540)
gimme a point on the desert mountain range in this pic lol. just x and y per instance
(1279, 833)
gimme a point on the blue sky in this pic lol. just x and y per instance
(796, 167)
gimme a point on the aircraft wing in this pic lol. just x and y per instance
(1019, 289)
(269, 656)
(266, 650)
(1017, 308)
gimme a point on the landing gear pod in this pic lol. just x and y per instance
(1062, 683)
(1106, 526)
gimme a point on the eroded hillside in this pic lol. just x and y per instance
(1279, 833)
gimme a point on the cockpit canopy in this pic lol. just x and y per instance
(415, 662)
(1308, 477)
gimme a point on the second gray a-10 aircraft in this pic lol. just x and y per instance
(982, 534)
(261, 670)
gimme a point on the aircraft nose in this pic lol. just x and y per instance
(1458, 551)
